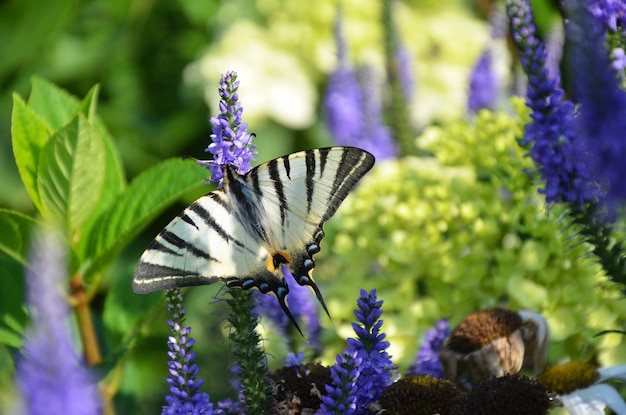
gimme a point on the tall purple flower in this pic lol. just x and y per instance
(610, 13)
(185, 396)
(484, 84)
(230, 141)
(427, 359)
(375, 370)
(341, 396)
(556, 146)
(601, 120)
(353, 107)
(51, 375)
(375, 136)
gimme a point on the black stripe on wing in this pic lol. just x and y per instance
(279, 188)
(354, 164)
(153, 277)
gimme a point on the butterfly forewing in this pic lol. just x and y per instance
(241, 234)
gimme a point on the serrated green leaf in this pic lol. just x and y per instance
(52, 103)
(146, 196)
(89, 104)
(15, 235)
(72, 173)
(114, 176)
(29, 134)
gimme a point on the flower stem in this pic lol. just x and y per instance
(250, 357)
(85, 322)
(398, 117)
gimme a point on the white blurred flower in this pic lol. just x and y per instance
(274, 83)
(581, 388)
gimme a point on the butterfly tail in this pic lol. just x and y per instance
(283, 305)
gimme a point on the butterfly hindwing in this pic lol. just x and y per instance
(242, 234)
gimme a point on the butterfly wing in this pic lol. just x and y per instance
(241, 235)
(202, 245)
(298, 193)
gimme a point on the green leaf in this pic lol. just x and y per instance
(89, 104)
(52, 103)
(71, 173)
(114, 176)
(146, 196)
(13, 316)
(10, 338)
(15, 235)
(29, 134)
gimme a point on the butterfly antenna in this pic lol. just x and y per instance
(283, 305)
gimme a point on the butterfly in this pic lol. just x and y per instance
(245, 232)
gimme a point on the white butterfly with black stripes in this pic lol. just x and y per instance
(244, 232)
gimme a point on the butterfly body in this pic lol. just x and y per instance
(244, 233)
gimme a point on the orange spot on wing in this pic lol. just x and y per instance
(277, 258)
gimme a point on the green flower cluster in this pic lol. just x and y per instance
(463, 230)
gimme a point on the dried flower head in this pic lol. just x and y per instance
(510, 394)
(417, 395)
(304, 382)
(495, 342)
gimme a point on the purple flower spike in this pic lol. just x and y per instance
(427, 359)
(484, 84)
(184, 397)
(341, 396)
(375, 370)
(353, 107)
(231, 143)
(51, 375)
(556, 146)
(601, 121)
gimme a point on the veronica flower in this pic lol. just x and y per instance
(375, 369)
(353, 107)
(484, 84)
(610, 13)
(229, 407)
(375, 136)
(602, 102)
(341, 395)
(230, 141)
(294, 359)
(185, 396)
(556, 146)
(427, 360)
(582, 388)
(51, 375)
(493, 343)
(231, 145)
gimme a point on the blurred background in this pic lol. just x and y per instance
(158, 64)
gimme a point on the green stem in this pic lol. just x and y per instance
(398, 114)
(599, 234)
(248, 352)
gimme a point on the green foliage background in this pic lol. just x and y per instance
(437, 236)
